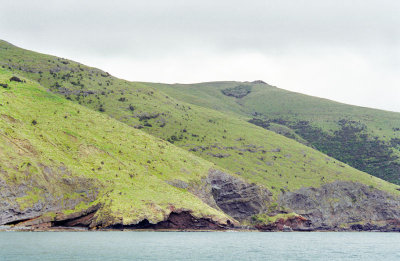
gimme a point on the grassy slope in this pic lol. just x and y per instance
(256, 154)
(377, 153)
(128, 166)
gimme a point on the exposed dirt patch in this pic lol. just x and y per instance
(8, 118)
(88, 150)
(23, 147)
(71, 137)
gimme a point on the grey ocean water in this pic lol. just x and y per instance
(198, 246)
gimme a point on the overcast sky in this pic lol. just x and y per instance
(345, 50)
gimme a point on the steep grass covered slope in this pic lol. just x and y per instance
(367, 139)
(60, 157)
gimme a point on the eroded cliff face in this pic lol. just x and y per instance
(54, 190)
(87, 219)
(233, 195)
(177, 221)
(222, 191)
(288, 223)
(236, 197)
(335, 206)
(345, 205)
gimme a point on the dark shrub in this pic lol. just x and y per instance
(15, 79)
(238, 92)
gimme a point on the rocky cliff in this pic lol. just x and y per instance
(344, 206)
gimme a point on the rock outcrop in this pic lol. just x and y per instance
(233, 195)
(345, 205)
(86, 219)
(236, 197)
(286, 224)
(15, 209)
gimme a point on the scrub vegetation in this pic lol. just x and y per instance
(364, 138)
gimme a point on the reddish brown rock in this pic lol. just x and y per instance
(297, 223)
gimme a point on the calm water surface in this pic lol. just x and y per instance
(198, 246)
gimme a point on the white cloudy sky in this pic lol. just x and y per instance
(345, 50)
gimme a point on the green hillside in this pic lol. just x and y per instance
(55, 152)
(75, 149)
(256, 154)
(367, 139)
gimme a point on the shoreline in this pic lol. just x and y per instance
(238, 230)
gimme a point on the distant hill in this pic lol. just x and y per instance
(366, 139)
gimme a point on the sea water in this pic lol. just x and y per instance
(199, 246)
